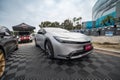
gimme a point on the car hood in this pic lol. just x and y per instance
(72, 36)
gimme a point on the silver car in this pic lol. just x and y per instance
(61, 43)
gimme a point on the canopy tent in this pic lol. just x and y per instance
(23, 27)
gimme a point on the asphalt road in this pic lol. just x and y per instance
(30, 63)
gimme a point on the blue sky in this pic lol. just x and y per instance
(33, 12)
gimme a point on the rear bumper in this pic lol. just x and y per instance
(25, 40)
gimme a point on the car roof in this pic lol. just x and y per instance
(51, 28)
(2, 27)
(54, 29)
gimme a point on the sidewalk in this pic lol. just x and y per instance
(103, 39)
(106, 44)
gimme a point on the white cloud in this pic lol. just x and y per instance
(49, 2)
(34, 11)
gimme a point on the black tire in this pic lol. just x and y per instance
(36, 44)
(49, 49)
(16, 47)
(2, 62)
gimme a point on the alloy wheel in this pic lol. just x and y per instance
(48, 49)
(2, 63)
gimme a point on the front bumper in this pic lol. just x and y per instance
(76, 55)
(70, 51)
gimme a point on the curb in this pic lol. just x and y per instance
(108, 50)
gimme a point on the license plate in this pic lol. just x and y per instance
(88, 47)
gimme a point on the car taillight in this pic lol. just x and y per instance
(28, 37)
(88, 47)
(20, 37)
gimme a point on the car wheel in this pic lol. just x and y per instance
(49, 49)
(2, 62)
(31, 41)
(16, 47)
(36, 44)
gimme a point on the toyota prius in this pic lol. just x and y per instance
(61, 43)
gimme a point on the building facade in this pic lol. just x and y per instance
(105, 19)
(88, 24)
(103, 9)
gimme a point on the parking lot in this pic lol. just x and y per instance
(30, 63)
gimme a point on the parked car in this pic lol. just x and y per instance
(61, 43)
(8, 44)
(25, 38)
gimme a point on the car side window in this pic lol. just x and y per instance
(7, 32)
(41, 31)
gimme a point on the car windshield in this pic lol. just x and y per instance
(56, 30)
(24, 33)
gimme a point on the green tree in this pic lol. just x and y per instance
(55, 24)
(74, 20)
(45, 24)
(49, 24)
(67, 24)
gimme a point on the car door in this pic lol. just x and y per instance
(5, 40)
(41, 38)
(10, 40)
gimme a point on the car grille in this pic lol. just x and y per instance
(80, 52)
(72, 42)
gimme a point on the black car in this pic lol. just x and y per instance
(8, 44)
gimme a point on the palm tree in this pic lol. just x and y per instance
(77, 22)
(79, 19)
(103, 22)
(74, 19)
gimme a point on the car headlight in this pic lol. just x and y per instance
(62, 39)
(72, 40)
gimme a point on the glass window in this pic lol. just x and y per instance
(6, 30)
